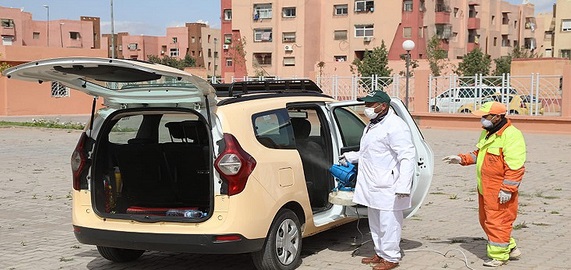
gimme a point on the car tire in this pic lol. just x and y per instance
(466, 111)
(434, 108)
(119, 254)
(513, 112)
(282, 249)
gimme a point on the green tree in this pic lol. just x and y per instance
(503, 64)
(475, 62)
(188, 61)
(3, 65)
(435, 55)
(374, 62)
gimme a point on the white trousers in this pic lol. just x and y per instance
(386, 227)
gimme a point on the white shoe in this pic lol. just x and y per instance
(515, 254)
(495, 263)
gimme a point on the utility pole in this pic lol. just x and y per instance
(48, 24)
(112, 33)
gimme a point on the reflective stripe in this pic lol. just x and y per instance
(502, 245)
(473, 156)
(511, 183)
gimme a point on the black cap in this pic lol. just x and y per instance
(376, 96)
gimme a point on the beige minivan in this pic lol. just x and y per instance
(172, 164)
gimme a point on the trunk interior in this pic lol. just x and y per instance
(154, 165)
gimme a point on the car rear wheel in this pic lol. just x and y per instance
(434, 108)
(119, 254)
(514, 112)
(466, 111)
(282, 249)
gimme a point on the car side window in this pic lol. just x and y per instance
(350, 126)
(273, 129)
(487, 92)
(125, 129)
(467, 93)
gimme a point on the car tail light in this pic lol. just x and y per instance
(78, 160)
(234, 165)
(227, 238)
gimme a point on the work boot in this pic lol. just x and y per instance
(385, 265)
(495, 263)
(372, 260)
(515, 254)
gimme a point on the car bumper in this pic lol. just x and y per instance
(203, 243)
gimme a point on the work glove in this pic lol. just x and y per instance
(504, 196)
(342, 160)
(452, 159)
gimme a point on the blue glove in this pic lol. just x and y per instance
(504, 196)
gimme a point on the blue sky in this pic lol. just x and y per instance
(148, 17)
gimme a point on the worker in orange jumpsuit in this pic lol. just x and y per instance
(499, 159)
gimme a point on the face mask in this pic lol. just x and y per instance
(370, 113)
(487, 123)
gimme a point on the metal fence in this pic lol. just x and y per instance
(533, 94)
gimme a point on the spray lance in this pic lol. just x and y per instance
(346, 176)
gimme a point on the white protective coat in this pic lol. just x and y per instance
(386, 164)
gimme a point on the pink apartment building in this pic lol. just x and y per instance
(287, 38)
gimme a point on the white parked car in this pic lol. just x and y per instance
(452, 99)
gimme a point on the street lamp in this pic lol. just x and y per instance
(407, 45)
(48, 23)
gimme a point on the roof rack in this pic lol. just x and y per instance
(237, 89)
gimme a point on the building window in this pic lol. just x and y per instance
(407, 32)
(455, 36)
(505, 18)
(288, 12)
(59, 90)
(340, 58)
(364, 30)
(132, 46)
(209, 53)
(565, 54)
(547, 35)
(456, 10)
(263, 59)
(288, 37)
(262, 11)
(74, 35)
(341, 10)
(364, 6)
(174, 52)
(227, 14)
(7, 40)
(407, 5)
(289, 61)
(175, 40)
(7, 23)
(472, 12)
(565, 25)
(340, 35)
(548, 53)
(262, 35)
(493, 20)
(227, 38)
(36, 35)
(505, 41)
(495, 41)
(228, 62)
(421, 32)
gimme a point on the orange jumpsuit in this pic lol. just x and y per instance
(499, 163)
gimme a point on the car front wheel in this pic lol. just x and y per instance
(119, 254)
(282, 249)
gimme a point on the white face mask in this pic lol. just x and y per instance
(487, 123)
(370, 113)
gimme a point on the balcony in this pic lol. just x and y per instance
(471, 46)
(473, 23)
(505, 29)
(7, 31)
(442, 17)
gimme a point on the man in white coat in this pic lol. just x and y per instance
(386, 159)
